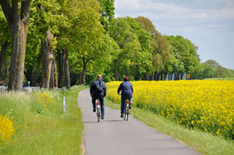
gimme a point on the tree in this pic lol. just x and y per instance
(127, 42)
(213, 63)
(18, 20)
(88, 33)
(4, 40)
(47, 19)
(77, 35)
(44, 22)
(205, 70)
(47, 59)
(69, 11)
(107, 13)
(185, 52)
(158, 42)
(142, 64)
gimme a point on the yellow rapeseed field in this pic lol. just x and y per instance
(7, 128)
(200, 104)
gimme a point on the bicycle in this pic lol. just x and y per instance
(126, 113)
(98, 110)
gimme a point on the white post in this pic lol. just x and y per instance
(64, 104)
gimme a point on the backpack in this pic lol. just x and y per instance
(98, 86)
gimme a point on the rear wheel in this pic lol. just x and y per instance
(124, 115)
(98, 115)
(127, 114)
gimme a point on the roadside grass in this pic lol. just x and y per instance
(202, 142)
(228, 79)
(44, 130)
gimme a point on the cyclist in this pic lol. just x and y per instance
(98, 90)
(127, 90)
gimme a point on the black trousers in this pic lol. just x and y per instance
(101, 99)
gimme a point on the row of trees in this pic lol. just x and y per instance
(64, 42)
(56, 31)
(212, 69)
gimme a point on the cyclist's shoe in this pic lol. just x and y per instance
(121, 115)
(102, 117)
(94, 110)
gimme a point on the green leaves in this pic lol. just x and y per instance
(184, 53)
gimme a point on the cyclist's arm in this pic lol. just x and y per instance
(120, 88)
(104, 89)
(91, 89)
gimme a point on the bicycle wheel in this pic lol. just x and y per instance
(127, 114)
(124, 115)
(98, 115)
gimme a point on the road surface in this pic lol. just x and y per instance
(113, 136)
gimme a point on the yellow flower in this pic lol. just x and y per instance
(196, 103)
(7, 129)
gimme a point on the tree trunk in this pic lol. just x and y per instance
(169, 77)
(35, 76)
(55, 75)
(52, 75)
(2, 55)
(61, 67)
(161, 76)
(82, 79)
(164, 77)
(19, 30)
(67, 72)
(19, 35)
(47, 58)
(181, 76)
(7, 66)
(116, 70)
(175, 76)
(157, 76)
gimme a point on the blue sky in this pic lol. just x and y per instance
(209, 24)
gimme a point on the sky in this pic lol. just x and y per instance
(209, 24)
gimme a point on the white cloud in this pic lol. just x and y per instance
(187, 30)
(163, 10)
(213, 26)
(200, 21)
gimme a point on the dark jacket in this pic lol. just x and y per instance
(94, 91)
(126, 88)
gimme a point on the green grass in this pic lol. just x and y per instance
(202, 142)
(224, 79)
(47, 130)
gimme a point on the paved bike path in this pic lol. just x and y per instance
(113, 136)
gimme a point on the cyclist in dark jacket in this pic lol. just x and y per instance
(127, 90)
(98, 90)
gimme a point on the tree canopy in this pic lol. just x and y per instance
(80, 39)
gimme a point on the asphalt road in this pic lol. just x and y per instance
(113, 136)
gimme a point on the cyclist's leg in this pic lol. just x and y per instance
(130, 104)
(123, 107)
(130, 100)
(93, 102)
(102, 106)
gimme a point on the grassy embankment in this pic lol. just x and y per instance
(227, 79)
(204, 143)
(41, 126)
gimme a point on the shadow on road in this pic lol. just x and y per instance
(88, 122)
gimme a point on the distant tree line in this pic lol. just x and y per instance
(212, 69)
(57, 43)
